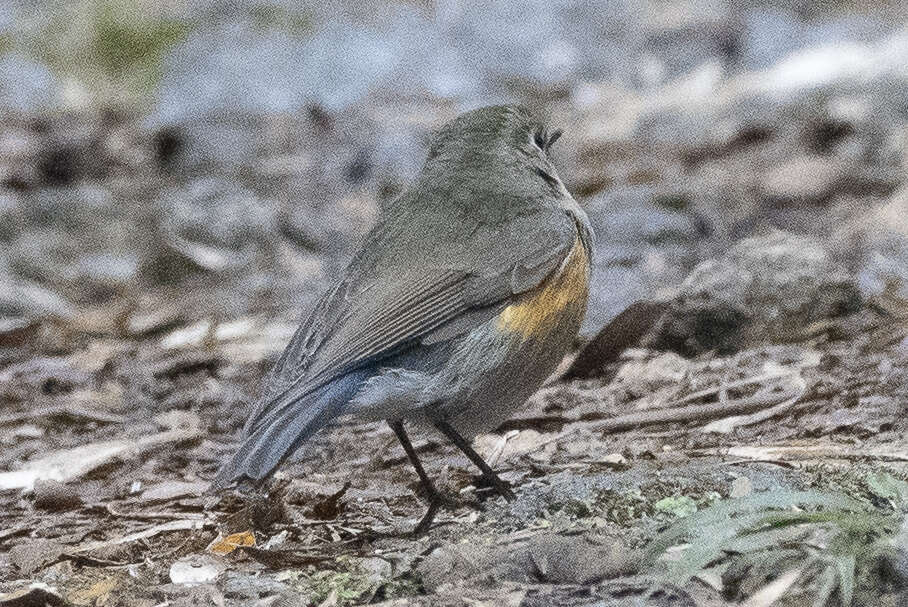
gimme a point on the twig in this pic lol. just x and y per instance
(69, 410)
(783, 453)
(728, 424)
(724, 387)
(499, 447)
(180, 525)
(776, 462)
(147, 516)
(688, 413)
(676, 414)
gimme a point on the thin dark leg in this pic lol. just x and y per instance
(427, 483)
(464, 445)
(436, 500)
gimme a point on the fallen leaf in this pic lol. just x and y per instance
(97, 594)
(773, 591)
(624, 331)
(69, 464)
(226, 545)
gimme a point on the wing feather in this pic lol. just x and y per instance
(386, 303)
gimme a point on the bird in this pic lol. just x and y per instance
(458, 305)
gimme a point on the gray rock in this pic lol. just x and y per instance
(26, 86)
(804, 179)
(12, 217)
(640, 248)
(22, 298)
(766, 289)
(250, 587)
(547, 557)
(882, 241)
(216, 225)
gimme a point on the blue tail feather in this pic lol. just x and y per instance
(292, 423)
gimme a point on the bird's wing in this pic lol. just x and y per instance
(362, 321)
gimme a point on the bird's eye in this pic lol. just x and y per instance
(539, 140)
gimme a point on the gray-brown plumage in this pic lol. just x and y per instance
(460, 302)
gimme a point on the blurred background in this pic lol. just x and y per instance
(171, 162)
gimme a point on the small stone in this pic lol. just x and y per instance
(805, 178)
(741, 487)
(55, 496)
(30, 557)
(196, 569)
(766, 289)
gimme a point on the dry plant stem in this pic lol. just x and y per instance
(676, 414)
(64, 410)
(729, 423)
(147, 516)
(724, 387)
(177, 525)
(688, 413)
(794, 453)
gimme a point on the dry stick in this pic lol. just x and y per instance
(148, 516)
(70, 410)
(730, 423)
(789, 453)
(178, 525)
(674, 414)
(723, 387)
(689, 413)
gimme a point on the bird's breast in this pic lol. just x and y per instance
(558, 301)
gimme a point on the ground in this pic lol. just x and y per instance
(730, 428)
(595, 480)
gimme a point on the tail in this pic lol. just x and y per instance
(285, 424)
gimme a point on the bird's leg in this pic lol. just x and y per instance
(436, 499)
(464, 445)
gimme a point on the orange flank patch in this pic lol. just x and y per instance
(564, 292)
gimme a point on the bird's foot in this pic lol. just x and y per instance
(502, 487)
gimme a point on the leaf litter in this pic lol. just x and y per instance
(141, 504)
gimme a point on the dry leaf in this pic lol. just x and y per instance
(226, 545)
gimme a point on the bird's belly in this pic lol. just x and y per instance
(509, 357)
(496, 367)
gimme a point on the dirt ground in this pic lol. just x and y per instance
(134, 427)
(729, 430)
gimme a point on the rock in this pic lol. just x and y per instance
(640, 247)
(26, 86)
(216, 225)
(882, 239)
(196, 569)
(26, 299)
(32, 556)
(766, 289)
(251, 587)
(548, 557)
(35, 595)
(55, 496)
(11, 215)
(804, 179)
